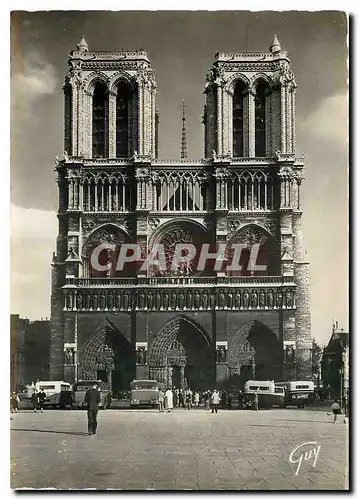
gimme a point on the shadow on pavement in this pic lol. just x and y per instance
(52, 432)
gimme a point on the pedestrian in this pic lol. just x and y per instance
(196, 399)
(160, 400)
(215, 399)
(14, 402)
(41, 399)
(256, 401)
(208, 400)
(188, 400)
(169, 400)
(335, 407)
(229, 401)
(92, 400)
(34, 399)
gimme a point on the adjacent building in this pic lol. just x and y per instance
(184, 326)
(335, 363)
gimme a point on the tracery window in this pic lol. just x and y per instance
(238, 126)
(99, 109)
(260, 124)
(122, 101)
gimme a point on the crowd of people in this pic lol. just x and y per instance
(179, 398)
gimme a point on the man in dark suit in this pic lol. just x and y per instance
(92, 400)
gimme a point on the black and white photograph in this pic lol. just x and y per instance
(179, 205)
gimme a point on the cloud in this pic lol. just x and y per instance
(328, 121)
(33, 239)
(35, 79)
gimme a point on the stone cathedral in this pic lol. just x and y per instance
(184, 328)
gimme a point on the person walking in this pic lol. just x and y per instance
(14, 402)
(34, 400)
(92, 400)
(196, 399)
(256, 401)
(335, 407)
(208, 400)
(215, 399)
(188, 400)
(41, 399)
(160, 400)
(169, 400)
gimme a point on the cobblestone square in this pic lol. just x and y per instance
(197, 450)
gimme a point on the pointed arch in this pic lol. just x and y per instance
(256, 345)
(99, 119)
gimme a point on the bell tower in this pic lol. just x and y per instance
(250, 104)
(110, 104)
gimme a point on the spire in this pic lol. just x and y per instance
(184, 133)
(275, 45)
(82, 46)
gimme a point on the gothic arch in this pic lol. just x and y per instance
(233, 80)
(260, 78)
(166, 336)
(182, 345)
(98, 236)
(92, 79)
(260, 234)
(256, 344)
(122, 76)
(105, 350)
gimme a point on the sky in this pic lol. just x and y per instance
(181, 47)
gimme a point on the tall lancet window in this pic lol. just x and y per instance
(260, 119)
(122, 120)
(238, 119)
(99, 107)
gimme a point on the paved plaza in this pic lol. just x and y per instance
(143, 449)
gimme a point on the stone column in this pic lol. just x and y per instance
(112, 124)
(251, 124)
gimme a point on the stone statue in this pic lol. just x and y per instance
(94, 301)
(246, 299)
(254, 299)
(79, 301)
(221, 299)
(205, 300)
(110, 301)
(189, 300)
(158, 301)
(69, 301)
(270, 299)
(173, 301)
(149, 300)
(197, 299)
(279, 299)
(212, 300)
(135, 155)
(141, 301)
(119, 300)
(103, 301)
(165, 301)
(229, 300)
(288, 299)
(68, 356)
(238, 300)
(214, 155)
(181, 300)
(125, 301)
(262, 299)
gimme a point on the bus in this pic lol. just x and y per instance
(58, 393)
(143, 393)
(79, 391)
(298, 393)
(268, 394)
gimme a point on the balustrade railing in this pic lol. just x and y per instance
(162, 281)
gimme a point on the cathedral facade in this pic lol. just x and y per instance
(183, 327)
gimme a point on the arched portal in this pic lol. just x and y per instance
(108, 356)
(255, 353)
(182, 356)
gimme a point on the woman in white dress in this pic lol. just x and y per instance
(169, 399)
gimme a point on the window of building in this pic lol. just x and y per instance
(238, 127)
(260, 124)
(122, 121)
(99, 106)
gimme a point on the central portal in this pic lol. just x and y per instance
(182, 357)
